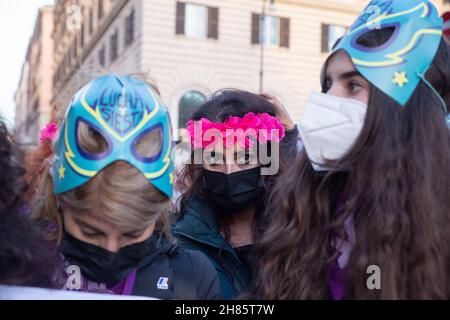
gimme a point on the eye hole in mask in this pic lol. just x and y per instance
(147, 147)
(91, 143)
(377, 38)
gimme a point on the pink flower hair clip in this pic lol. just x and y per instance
(49, 132)
(235, 130)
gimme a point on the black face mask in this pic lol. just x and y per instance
(234, 192)
(102, 266)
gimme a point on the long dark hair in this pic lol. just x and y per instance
(398, 191)
(25, 259)
(220, 106)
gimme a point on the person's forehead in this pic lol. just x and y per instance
(97, 221)
(93, 218)
(339, 63)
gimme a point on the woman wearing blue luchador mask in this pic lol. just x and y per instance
(106, 195)
(364, 212)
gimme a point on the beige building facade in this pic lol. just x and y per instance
(194, 48)
(35, 91)
(23, 126)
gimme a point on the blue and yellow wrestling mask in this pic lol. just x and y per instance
(122, 110)
(398, 65)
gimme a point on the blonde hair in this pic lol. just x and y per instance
(119, 192)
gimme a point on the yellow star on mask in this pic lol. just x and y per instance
(171, 177)
(400, 79)
(62, 172)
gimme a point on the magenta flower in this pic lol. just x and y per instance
(49, 132)
(244, 131)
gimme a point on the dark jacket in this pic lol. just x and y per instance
(190, 275)
(198, 230)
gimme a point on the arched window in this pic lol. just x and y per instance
(189, 103)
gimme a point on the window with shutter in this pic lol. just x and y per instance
(197, 21)
(270, 30)
(330, 34)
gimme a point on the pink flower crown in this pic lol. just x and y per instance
(243, 131)
(49, 132)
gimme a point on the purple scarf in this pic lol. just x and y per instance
(344, 246)
(62, 280)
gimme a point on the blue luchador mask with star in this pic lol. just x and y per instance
(123, 111)
(396, 66)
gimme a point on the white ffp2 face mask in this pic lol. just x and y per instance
(329, 127)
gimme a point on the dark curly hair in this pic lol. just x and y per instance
(221, 105)
(11, 173)
(25, 259)
(397, 192)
